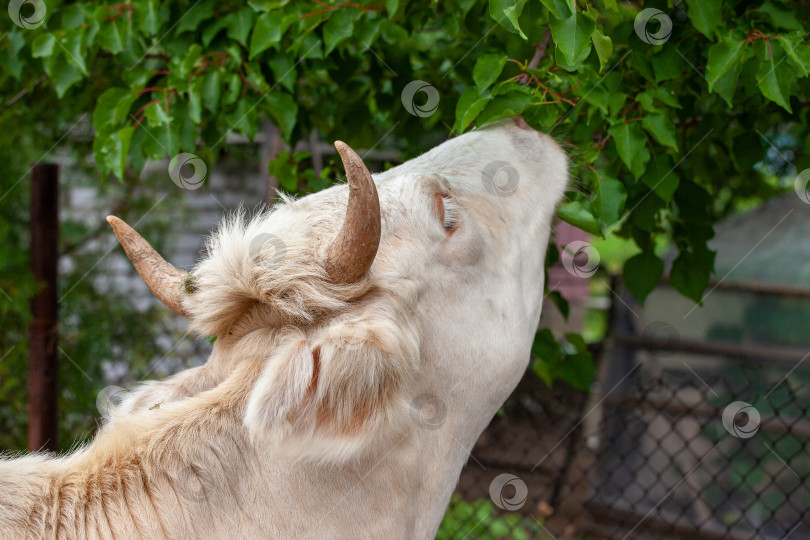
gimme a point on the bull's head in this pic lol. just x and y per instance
(364, 302)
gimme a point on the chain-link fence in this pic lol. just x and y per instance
(697, 427)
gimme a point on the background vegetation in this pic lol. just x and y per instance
(670, 124)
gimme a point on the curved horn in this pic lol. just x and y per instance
(351, 253)
(163, 279)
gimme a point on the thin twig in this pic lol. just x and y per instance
(539, 54)
(22, 93)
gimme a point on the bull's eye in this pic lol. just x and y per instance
(450, 217)
(447, 211)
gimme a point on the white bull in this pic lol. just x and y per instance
(357, 359)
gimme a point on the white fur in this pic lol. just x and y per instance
(302, 422)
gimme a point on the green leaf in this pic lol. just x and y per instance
(233, 88)
(156, 115)
(798, 51)
(284, 71)
(512, 13)
(781, 16)
(642, 273)
(661, 177)
(504, 106)
(573, 36)
(266, 33)
(147, 16)
(310, 46)
(579, 369)
(391, 7)
(196, 14)
(212, 30)
(560, 302)
(705, 15)
(660, 126)
(244, 118)
(211, 88)
(774, 76)
(195, 100)
(727, 84)
(558, 8)
(110, 151)
(63, 74)
(609, 200)
(603, 46)
(723, 56)
(506, 14)
(284, 110)
(546, 348)
(238, 25)
(611, 5)
(114, 35)
(74, 50)
(667, 97)
(339, 27)
(367, 32)
(161, 141)
(667, 64)
(690, 274)
(468, 107)
(579, 214)
(43, 46)
(631, 145)
(112, 109)
(747, 150)
(487, 69)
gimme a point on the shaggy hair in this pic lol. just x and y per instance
(274, 279)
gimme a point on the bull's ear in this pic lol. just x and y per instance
(336, 393)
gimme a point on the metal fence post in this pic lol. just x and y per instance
(43, 328)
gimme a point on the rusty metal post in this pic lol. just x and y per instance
(43, 328)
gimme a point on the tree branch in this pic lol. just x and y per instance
(21, 94)
(539, 54)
